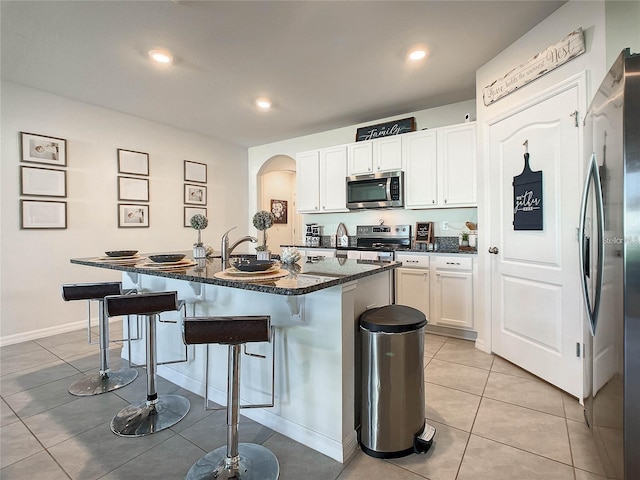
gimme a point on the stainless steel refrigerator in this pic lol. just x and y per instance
(610, 259)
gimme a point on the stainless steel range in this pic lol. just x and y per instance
(383, 239)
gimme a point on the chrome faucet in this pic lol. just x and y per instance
(226, 249)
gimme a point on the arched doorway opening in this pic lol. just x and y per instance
(276, 183)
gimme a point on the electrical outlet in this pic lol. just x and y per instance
(445, 225)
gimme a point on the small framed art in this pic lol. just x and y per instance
(41, 182)
(279, 210)
(133, 189)
(195, 172)
(195, 194)
(133, 215)
(134, 163)
(43, 214)
(424, 232)
(190, 212)
(42, 149)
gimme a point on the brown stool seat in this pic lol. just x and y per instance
(226, 330)
(238, 461)
(105, 380)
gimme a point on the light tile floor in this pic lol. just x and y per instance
(494, 421)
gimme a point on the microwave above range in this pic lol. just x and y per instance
(377, 190)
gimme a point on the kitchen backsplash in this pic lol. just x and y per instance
(444, 244)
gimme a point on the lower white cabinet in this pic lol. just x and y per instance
(441, 287)
(452, 292)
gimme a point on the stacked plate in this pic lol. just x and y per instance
(253, 271)
(167, 261)
(121, 257)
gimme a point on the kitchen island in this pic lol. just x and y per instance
(314, 307)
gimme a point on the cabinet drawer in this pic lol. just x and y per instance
(454, 263)
(410, 260)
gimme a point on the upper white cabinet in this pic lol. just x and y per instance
(321, 180)
(372, 156)
(440, 167)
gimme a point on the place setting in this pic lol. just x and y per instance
(167, 261)
(121, 257)
(251, 270)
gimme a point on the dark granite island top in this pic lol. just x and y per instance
(304, 277)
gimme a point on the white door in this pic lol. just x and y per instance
(536, 303)
(457, 168)
(333, 173)
(420, 161)
(308, 181)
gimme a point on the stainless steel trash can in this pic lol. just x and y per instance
(393, 406)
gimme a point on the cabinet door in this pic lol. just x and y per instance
(308, 181)
(457, 165)
(452, 299)
(333, 173)
(387, 153)
(360, 158)
(420, 173)
(412, 288)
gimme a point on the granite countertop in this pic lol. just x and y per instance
(409, 250)
(304, 277)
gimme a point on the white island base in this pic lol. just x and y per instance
(315, 362)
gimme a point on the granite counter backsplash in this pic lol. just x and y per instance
(445, 244)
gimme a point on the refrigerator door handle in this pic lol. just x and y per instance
(593, 175)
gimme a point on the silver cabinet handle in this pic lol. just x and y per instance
(493, 250)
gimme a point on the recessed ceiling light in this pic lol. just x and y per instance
(263, 103)
(417, 54)
(161, 56)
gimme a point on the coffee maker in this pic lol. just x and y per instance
(312, 235)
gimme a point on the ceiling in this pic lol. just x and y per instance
(325, 64)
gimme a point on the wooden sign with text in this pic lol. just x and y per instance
(395, 127)
(549, 59)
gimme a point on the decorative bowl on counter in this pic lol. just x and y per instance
(250, 265)
(121, 253)
(290, 255)
(167, 257)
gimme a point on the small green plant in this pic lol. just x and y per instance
(199, 222)
(465, 236)
(263, 220)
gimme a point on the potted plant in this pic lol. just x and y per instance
(465, 239)
(199, 222)
(263, 220)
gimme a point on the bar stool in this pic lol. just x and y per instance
(105, 380)
(157, 412)
(246, 461)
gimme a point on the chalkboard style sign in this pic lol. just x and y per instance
(527, 199)
(395, 127)
(424, 232)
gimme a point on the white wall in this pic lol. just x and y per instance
(430, 118)
(586, 14)
(35, 263)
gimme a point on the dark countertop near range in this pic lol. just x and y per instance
(410, 250)
(304, 277)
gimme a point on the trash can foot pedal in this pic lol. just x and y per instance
(422, 442)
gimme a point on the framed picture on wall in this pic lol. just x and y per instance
(43, 214)
(42, 149)
(195, 194)
(134, 163)
(195, 172)
(46, 182)
(133, 189)
(133, 215)
(279, 210)
(190, 212)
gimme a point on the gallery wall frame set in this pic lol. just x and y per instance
(133, 186)
(47, 182)
(195, 190)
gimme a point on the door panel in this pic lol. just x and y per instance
(536, 302)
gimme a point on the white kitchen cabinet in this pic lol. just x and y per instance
(372, 156)
(420, 169)
(321, 180)
(412, 282)
(452, 292)
(440, 167)
(458, 165)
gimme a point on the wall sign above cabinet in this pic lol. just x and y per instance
(395, 127)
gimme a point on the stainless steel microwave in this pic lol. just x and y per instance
(376, 190)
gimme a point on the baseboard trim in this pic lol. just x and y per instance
(451, 332)
(46, 332)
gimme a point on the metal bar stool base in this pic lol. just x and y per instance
(256, 463)
(95, 384)
(147, 418)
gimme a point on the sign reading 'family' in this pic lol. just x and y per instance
(395, 127)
